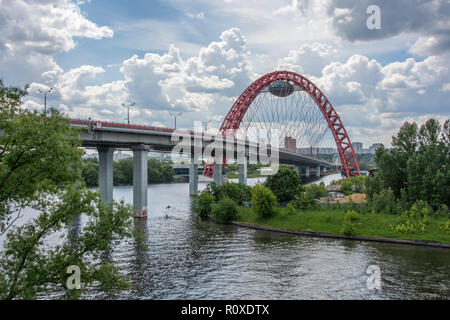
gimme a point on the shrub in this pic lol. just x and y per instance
(215, 190)
(235, 191)
(304, 201)
(351, 216)
(349, 205)
(203, 203)
(348, 228)
(285, 184)
(384, 202)
(352, 185)
(316, 191)
(225, 210)
(290, 209)
(446, 226)
(442, 210)
(420, 208)
(373, 186)
(263, 201)
(412, 221)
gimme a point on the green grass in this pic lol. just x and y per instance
(330, 221)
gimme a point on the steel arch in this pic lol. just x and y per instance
(234, 117)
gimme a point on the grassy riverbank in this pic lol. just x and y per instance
(331, 221)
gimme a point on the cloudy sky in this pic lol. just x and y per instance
(197, 56)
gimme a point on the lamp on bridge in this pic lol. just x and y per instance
(205, 125)
(175, 115)
(128, 105)
(45, 98)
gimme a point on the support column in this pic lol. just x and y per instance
(140, 173)
(243, 171)
(105, 173)
(307, 171)
(193, 177)
(324, 169)
(318, 171)
(218, 179)
(297, 170)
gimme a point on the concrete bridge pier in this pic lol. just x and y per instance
(324, 169)
(218, 178)
(105, 173)
(307, 171)
(318, 171)
(243, 171)
(140, 169)
(193, 177)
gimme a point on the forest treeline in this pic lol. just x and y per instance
(158, 172)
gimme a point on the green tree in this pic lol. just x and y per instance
(285, 184)
(417, 166)
(236, 191)
(203, 203)
(349, 225)
(159, 171)
(263, 201)
(315, 191)
(225, 210)
(123, 172)
(40, 162)
(90, 172)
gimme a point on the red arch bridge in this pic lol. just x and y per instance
(270, 117)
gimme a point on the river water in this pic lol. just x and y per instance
(189, 258)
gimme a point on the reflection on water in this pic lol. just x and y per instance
(184, 257)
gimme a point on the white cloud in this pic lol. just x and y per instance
(412, 86)
(352, 82)
(34, 31)
(309, 59)
(427, 19)
(446, 86)
(167, 81)
(296, 7)
(158, 83)
(203, 81)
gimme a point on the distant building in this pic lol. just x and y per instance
(357, 147)
(314, 151)
(290, 144)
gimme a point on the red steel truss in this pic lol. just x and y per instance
(234, 117)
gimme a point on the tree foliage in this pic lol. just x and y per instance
(236, 191)
(158, 172)
(40, 162)
(418, 164)
(203, 203)
(263, 201)
(225, 210)
(285, 184)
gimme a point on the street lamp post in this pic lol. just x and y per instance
(205, 125)
(175, 115)
(45, 98)
(128, 105)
